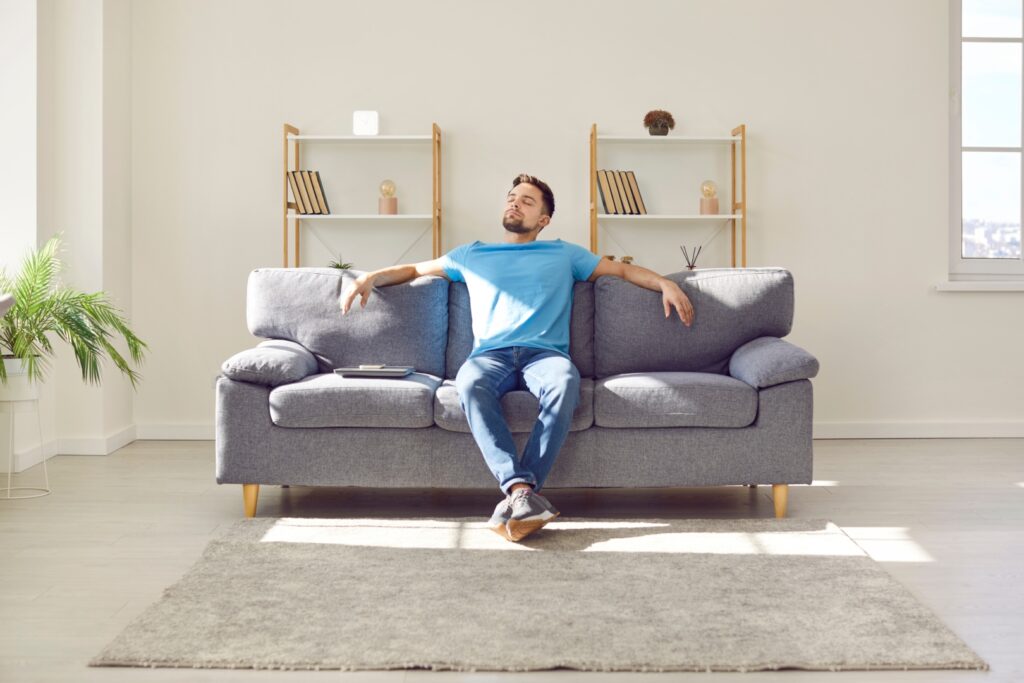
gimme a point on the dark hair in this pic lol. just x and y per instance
(549, 196)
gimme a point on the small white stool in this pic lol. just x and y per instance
(12, 408)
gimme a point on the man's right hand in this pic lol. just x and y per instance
(361, 287)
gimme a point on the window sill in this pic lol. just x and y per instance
(980, 286)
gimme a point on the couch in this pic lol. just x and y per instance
(726, 401)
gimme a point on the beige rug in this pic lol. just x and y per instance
(657, 595)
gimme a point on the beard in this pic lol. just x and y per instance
(515, 225)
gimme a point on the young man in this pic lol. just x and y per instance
(520, 293)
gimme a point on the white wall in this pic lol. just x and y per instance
(846, 106)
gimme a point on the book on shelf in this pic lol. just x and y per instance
(605, 191)
(296, 196)
(305, 207)
(627, 192)
(613, 193)
(617, 187)
(309, 191)
(635, 187)
(321, 196)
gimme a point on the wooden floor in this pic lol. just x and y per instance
(945, 518)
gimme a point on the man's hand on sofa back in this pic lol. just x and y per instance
(395, 275)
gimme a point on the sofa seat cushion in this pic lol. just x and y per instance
(673, 399)
(520, 407)
(330, 400)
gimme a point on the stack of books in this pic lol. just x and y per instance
(308, 192)
(620, 193)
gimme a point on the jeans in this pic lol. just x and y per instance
(548, 375)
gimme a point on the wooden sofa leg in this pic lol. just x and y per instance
(250, 492)
(780, 493)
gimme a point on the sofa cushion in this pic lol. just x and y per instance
(520, 408)
(731, 307)
(273, 362)
(581, 328)
(767, 361)
(673, 399)
(330, 400)
(404, 324)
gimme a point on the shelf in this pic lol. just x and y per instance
(668, 217)
(361, 217)
(663, 138)
(360, 138)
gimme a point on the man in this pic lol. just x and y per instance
(520, 293)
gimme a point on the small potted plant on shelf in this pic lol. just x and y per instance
(659, 122)
(43, 308)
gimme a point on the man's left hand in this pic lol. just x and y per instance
(673, 297)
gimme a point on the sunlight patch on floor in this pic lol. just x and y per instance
(888, 544)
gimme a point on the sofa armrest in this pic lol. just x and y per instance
(767, 361)
(273, 362)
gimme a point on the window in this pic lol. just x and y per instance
(986, 63)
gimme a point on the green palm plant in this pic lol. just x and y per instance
(44, 307)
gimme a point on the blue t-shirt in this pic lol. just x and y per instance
(520, 294)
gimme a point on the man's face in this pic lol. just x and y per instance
(524, 210)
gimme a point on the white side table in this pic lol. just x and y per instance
(12, 408)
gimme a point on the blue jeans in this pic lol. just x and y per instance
(548, 375)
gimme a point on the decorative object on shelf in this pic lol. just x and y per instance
(691, 258)
(365, 123)
(659, 122)
(44, 308)
(387, 204)
(620, 193)
(308, 192)
(709, 198)
(339, 264)
(626, 259)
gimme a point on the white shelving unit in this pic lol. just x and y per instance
(293, 137)
(738, 212)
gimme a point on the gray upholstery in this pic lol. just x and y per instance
(330, 400)
(723, 402)
(673, 399)
(520, 408)
(731, 308)
(405, 324)
(273, 362)
(767, 361)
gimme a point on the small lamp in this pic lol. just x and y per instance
(387, 204)
(709, 198)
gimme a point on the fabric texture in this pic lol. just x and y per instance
(673, 399)
(521, 294)
(767, 361)
(330, 400)
(273, 362)
(731, 307)
(613, 595)
(404, 324)
(519, 406)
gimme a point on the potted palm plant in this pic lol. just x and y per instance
(44, 309)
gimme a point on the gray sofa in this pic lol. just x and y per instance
(725, 401)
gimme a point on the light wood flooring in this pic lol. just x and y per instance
(944, 517)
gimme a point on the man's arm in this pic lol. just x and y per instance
(671, 295)
(395, 275)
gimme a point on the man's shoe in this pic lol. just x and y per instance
(500, 518)
(530, 512)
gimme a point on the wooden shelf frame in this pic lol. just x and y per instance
(738, 138)
(291, 135)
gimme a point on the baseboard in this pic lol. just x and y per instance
(100, 446)
(176, 432)
(975, 429)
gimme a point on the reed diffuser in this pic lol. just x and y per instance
(691, 258)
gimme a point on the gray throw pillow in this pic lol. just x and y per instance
(767, 361)
(272, 363)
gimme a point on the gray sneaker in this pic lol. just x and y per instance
(500, 518)
(530, 511)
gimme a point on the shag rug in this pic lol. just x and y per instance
(656, 595)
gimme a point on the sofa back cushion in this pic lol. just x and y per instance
(731, 307)
(581, 328)
(404, 324)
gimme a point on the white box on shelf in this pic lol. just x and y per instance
(364, 123)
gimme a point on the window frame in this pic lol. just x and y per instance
(961, 268)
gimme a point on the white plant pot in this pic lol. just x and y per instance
(18, 387)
